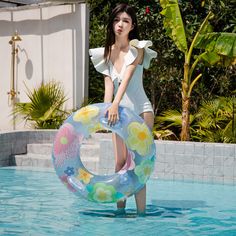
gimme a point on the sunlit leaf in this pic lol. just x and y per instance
(173, 23)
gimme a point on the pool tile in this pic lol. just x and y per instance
(209, 150)
(228, 171)
(208, 171)
(199, 148)
(198, 160)
(169, 168)
(198, 170)
(218, 171)
(229, 161)
(218, 161)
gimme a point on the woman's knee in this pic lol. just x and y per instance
(119, 165)
(148, 118)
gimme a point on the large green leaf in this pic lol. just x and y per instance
(219, 42)
(220, 47)
(173, 23)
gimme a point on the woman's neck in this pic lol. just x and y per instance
(121, 43)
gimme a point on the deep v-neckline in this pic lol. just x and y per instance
(114, 68)
(124, 64)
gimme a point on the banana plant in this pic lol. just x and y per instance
(216, 48)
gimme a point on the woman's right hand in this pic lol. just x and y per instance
(112, 114)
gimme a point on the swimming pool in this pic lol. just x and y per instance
(36, 203)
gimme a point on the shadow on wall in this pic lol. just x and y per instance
(64, 18)
(41, 26)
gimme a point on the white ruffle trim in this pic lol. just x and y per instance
(132, 54)
(97, 55)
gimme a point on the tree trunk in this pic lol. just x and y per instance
(185, 132)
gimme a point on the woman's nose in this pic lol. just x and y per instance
(120, 23)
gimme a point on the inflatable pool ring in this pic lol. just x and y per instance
(103, 188)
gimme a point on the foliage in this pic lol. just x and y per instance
(217, 48)
(44, 111)
(168, 125)
(214, 122)
(162, 81)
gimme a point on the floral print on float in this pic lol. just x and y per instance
(139, 138)
(94, 128)
(69, 171)
(86, 114)
(84, 176)
(64, 180)
(69, 167)
(66, 145)
(104, 193)
(144, 170)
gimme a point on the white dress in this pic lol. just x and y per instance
(134, 97)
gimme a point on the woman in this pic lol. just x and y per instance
(122, 62)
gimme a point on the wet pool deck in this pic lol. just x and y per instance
(185, 161)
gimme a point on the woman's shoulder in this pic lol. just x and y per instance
(139, 45)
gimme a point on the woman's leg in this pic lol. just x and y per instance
(120, 152)
(140, 197)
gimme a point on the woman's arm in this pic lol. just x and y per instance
(109, 89)
(113, 114)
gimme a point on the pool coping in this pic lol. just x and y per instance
(185, 161)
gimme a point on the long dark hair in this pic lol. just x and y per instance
(110, 36)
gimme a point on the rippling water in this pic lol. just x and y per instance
(36, 203)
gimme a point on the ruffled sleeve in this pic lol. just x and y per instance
(149, 54)
(97, 58)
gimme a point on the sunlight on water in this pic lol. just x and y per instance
(36, 203)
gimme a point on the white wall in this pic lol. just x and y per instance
(54, 46)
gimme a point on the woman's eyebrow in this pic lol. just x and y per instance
(126, 18)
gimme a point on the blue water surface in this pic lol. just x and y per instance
(36, 203)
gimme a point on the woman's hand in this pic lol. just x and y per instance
(112, 114)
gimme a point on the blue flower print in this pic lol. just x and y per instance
(69, 171)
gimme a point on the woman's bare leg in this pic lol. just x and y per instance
(120, 152)
(140, 197)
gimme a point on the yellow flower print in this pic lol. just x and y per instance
(86, 114)
(103, 195)
(139, 138)
(144, 170)
(96, 127)
(101, 192)
(84, 176)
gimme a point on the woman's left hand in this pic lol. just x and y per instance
(112, 114)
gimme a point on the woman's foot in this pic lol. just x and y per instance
(120, 212)
(141, 213)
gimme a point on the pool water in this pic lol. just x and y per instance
(36, 203)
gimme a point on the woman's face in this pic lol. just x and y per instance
(122, 24)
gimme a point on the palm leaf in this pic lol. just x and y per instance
(165, 134)
(215, 120)
(45, 106)
(171, 118)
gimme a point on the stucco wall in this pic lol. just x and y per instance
(54, 46)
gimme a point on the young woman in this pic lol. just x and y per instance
(122, 62)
